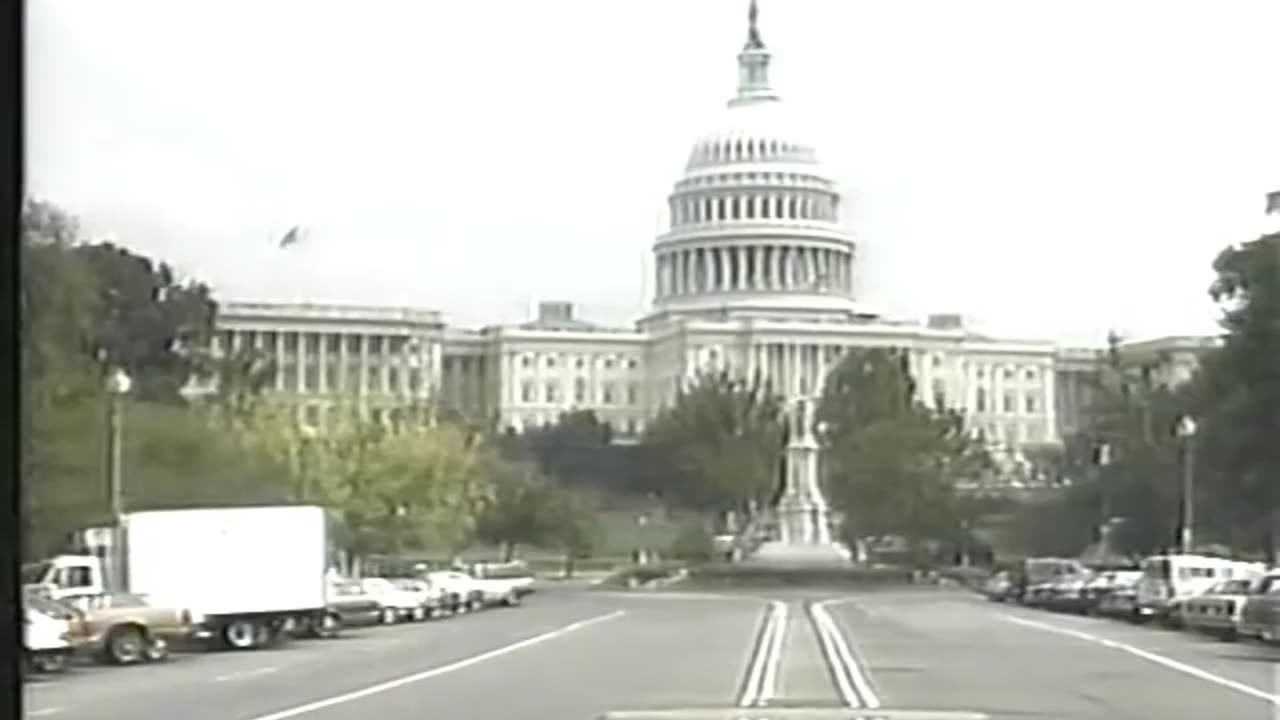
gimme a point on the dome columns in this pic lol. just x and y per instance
(747, 267)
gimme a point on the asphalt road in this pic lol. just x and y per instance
(573, 653)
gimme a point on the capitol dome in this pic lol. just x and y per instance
(755, 224)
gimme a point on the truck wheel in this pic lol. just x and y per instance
(388, 616)
(326, 626)
(512, 599)
(157, 650)
(240, 634)
(50, 663)
(419, 614)
(268, 633)
(126, 645)
(476, 602)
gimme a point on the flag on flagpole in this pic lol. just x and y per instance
(1273, 203)
(293, 237)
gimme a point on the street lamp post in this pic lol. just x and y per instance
(117, 387)
(1101, 459)
(1186, 431)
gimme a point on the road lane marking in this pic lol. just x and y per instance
(842, 654)
(1150, 657)
(769, 679)
(45, 712)
(762, 671)
(245, 674)
(834, 662)
(433, 672)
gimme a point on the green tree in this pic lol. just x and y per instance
(1134, 417)
(59, 306)
(148, 321)
(422, 486)
(1237, 395)
(575, 451)
(527, 509)
(170, 456)
(719, 446)
(892, 464)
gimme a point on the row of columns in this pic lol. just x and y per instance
(798, 205)
(372, 359)
(793, 369)
(753, 268)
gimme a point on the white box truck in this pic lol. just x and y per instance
(243, 574)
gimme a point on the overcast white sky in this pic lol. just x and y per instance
(1057, 167)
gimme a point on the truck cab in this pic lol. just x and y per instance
(66, 577)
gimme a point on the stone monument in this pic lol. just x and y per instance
(803, 516)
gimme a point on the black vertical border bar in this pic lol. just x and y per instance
(11, 187)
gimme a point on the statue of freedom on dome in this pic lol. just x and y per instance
(754, 41)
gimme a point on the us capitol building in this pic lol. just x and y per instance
(754, 274)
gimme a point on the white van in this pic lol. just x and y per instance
(1169, 579)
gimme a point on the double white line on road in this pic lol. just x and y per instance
(850, 681)
(762, 673)
(855, 689)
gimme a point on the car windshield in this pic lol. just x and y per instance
(1233, 587)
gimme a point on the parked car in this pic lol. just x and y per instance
(1168, 580)
(1105, 584)
(48, 638)
(348, 601)
(1038, 573)
(1000, 587)
(126, 628)
(430, 597)
(395, 603)
(1121, 598)
(1069, 593)
(1260, 617)
(1218, 610)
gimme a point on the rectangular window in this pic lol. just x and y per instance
(1010, 405)
(607, 394)
(1031, 405)
(553, 392)
(633, 394)
(527, 393)
(580, 390)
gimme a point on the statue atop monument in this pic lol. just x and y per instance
(754, 41)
